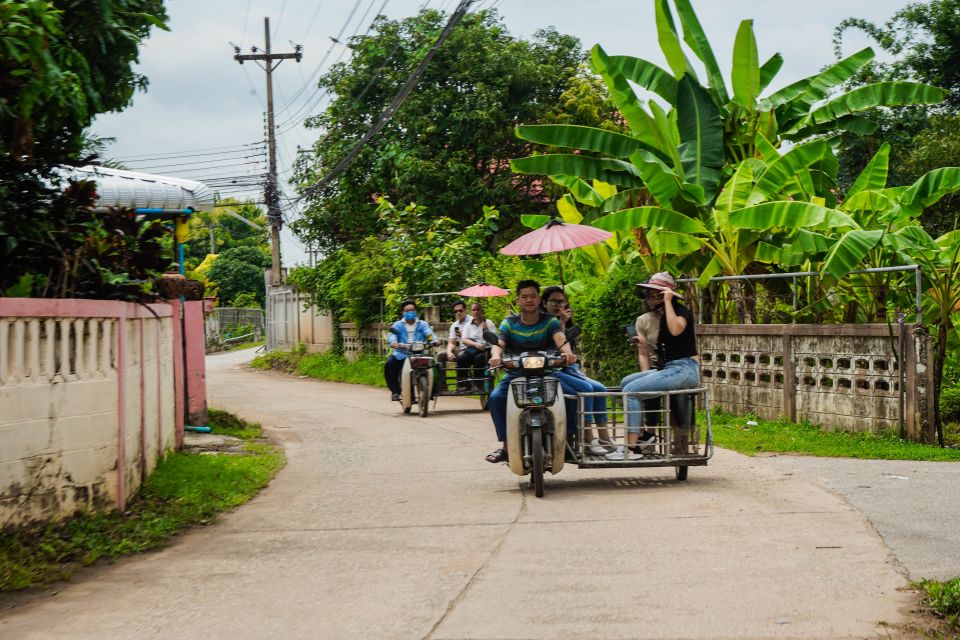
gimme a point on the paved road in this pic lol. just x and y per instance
(912, 505)
(392, 526)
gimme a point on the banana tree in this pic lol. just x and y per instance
(680, 158)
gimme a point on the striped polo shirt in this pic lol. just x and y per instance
(520, 337)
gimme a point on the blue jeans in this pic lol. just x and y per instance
(594, 407)
(677, 374)
(497, 403)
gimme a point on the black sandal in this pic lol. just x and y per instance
(500, 455)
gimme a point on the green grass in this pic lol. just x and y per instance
(944, 599)
(245, 345)
(780, 436)
(185, 489)
(367, 369)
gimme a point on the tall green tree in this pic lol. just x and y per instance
(61, 63)
(922, 42)
(449, 144)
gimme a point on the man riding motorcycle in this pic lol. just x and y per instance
(532, 329)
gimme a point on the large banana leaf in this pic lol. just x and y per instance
(769, 70)
(613, 171)
(931, 186)
(874, 175)
(790, 166)
(858, 125)
(623, 199)
(664, 185)
(745, 76)
(780, 214)
(570, 136)
(649, 217)
(534, 221)
(766, 149)
(671, 243)
(630, 107)
(825, 78)
(867, 202)
(880, 94)
(669, 40)
(701, 135)
(713, 268)
(768, 253)
(821, 84)
(736, 193)
(667, 131)
(850, 250)
(647, 75)
(694, 36)
(580, 190)
(568, 211)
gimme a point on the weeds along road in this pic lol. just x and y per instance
(386, 525)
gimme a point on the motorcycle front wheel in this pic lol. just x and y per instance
(536, 473)
(423, 395)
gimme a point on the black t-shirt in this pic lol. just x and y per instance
(682, 346)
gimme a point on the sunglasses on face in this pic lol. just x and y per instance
(555, 303)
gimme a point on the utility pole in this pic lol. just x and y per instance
(271, 192)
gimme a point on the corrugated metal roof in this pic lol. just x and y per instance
(118, 188)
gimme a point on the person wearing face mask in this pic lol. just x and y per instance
(680, 366)
(411, 329)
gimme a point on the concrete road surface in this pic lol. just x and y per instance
(386, 525)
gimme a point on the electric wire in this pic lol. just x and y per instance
(387, 113)
(190, 152)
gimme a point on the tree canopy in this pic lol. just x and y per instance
(449, 144)
(61, 63)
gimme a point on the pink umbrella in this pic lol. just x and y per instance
(483, 290)
(555, 236)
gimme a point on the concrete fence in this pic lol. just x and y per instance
(854, 377)
(92, 394)
(290, 322)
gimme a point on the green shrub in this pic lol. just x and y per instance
(285, 361)
(602, 308)
(950, 404)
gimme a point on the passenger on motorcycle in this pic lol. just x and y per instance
(455, 345)
(475, 351)
(533, 329)
(680, 366)
(411, 329)
(595, 407)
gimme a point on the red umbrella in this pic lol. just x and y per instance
(483, 290)
(555, 236)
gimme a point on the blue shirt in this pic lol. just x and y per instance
(421, 333)
(519, 337)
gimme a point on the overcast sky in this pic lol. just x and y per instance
(201, 101)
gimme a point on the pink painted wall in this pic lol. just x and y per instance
(195, 351)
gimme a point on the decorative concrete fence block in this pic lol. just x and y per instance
(86, 404)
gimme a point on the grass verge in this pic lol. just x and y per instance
(367, 369)
(943, 598)
(185, 489)
(780, 436)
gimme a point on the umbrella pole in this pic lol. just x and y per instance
(560, 265)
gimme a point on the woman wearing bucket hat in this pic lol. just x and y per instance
(680, 369)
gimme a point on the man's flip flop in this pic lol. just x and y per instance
(500, 455)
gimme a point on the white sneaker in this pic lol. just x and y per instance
(597, 449)
(648, 443)
(621, 454)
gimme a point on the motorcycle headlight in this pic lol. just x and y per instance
(417, 347)
(533, 362)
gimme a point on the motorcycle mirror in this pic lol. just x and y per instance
(631, 329)
(491, 337)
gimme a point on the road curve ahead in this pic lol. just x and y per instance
(386, 525)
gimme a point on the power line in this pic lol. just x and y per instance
(191, 152)
(385, 116)
(316, 71)
(206, 163)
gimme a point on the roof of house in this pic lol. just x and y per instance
(145, 192)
